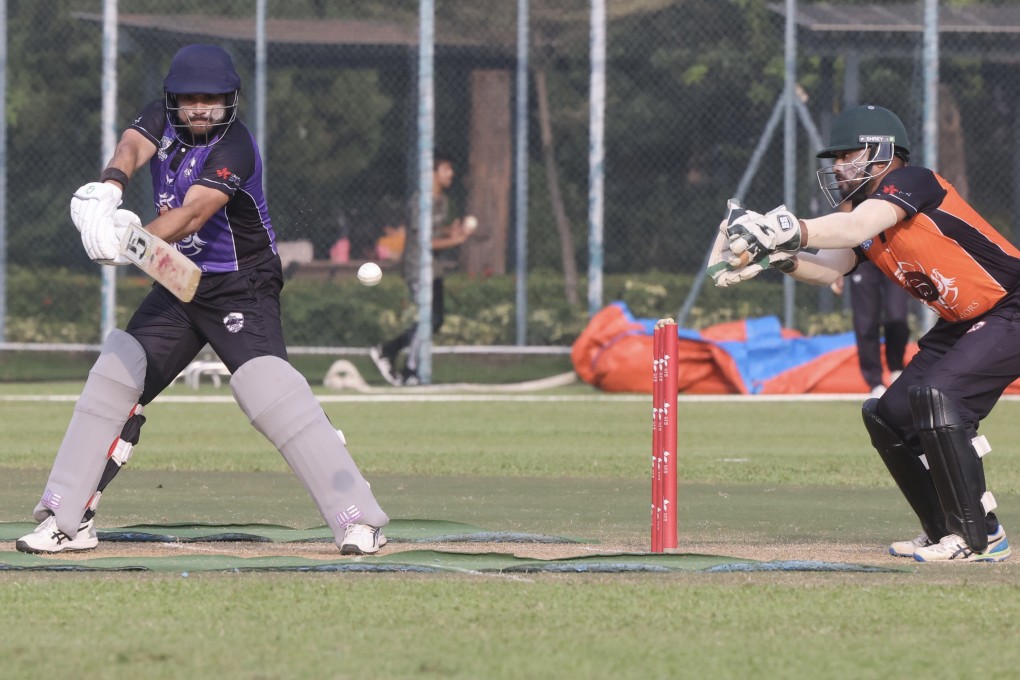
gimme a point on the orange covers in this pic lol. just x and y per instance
(614, 353)
(741, 357)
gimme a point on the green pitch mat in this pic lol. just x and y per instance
(398, 531)
(427, 561)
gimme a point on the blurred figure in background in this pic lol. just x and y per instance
(445, 235)
(880, 309)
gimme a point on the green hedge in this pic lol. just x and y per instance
(64, 306)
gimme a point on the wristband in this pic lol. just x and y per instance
(787, 266)
(116, 174)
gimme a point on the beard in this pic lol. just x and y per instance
(203, 121)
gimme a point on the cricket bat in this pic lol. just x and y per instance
(160, 260)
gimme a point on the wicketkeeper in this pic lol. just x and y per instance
(208, 200)
(917, 229)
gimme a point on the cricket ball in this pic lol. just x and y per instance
(369, 274)
(470, 223)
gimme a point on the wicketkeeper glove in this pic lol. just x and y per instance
(725, 274)
(777, 231)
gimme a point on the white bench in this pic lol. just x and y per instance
(194, 371)
(207, 364)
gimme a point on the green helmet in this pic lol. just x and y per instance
(860, 126)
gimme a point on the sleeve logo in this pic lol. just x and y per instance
(226, 175)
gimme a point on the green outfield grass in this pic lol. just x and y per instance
(779, 472)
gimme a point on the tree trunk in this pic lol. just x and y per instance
(952, 151)
(553, 180)
(488, 176)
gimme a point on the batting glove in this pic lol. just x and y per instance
(123, 220)
(104, 242)
(778, 230)
(93, 203)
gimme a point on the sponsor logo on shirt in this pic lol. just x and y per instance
(893, 190)
(226, 175)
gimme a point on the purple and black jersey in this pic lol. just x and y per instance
(239, 236)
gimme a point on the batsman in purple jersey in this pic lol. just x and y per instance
(237, 236)
(208, 199)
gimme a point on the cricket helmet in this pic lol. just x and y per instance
(878, 133)
(201, 69)
(860, 126)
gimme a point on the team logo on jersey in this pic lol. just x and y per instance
(921, 285)
(164, 144)
(946, 286)
(234, 322)
(976, 326)
(190, 168)
(935, 289)
(867, 244)
(191, 245)
(166, 202)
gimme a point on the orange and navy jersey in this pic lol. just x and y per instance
(943, 253)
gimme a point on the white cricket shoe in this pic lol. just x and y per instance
(47, 538)
(362, 539)
(908, 548)
(953, 547)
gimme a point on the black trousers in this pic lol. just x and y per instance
(971, 362)
(391, 348)
(236, 313)
(879, 309)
